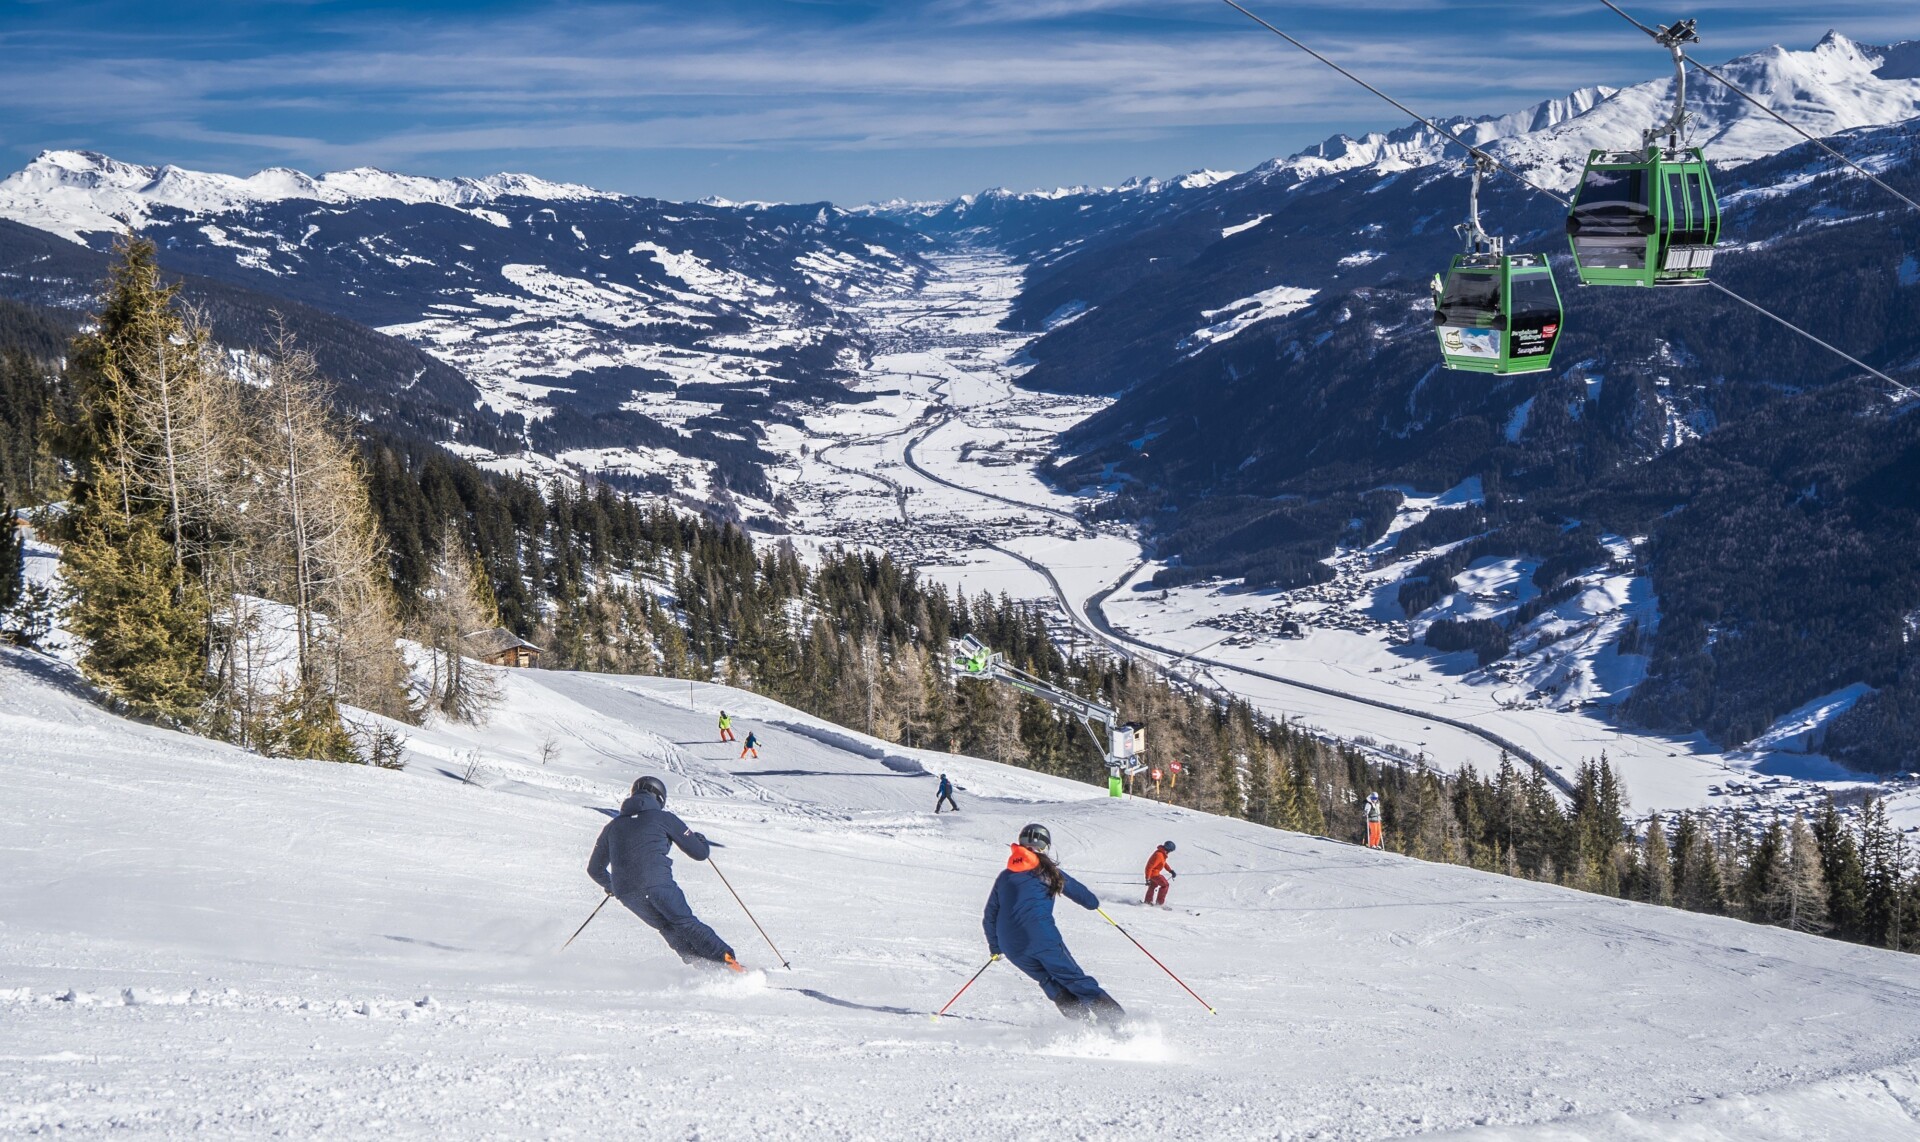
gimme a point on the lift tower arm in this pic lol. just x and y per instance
(1121, 751)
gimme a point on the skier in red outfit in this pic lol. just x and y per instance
(1159, 874)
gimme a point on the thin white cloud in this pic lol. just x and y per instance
(615, 78)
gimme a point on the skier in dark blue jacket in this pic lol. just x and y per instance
(944, 796)
(631, 862)
(1019, 924)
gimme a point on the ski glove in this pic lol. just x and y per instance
(1173, 874)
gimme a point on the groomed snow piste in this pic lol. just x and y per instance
(193, 939)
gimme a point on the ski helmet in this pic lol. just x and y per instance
(1373, 797)
(653, 785)
(1036, 838)
(1166, 847)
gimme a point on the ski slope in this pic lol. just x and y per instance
(196, 940)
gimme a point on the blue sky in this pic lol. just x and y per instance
(805, 99)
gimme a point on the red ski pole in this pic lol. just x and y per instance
(964, 987)
(1157, 963)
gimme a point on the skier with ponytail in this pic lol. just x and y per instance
(1019, 925)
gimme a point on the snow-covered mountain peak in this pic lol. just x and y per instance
(1201, 179)
(1837, 85)
(1417, 145)
(72, 193)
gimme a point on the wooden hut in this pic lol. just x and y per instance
(502, 647)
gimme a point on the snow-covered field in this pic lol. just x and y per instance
(944, 397)
(196, 940)
(942, 384)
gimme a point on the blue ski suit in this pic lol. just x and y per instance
(631, 861)
(1019, 925)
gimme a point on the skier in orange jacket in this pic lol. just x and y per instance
(1159, 874)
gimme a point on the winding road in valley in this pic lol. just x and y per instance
(1090, 617)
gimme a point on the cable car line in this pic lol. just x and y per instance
(1671, 38)
(1817, 341)
(1408, 111)
(1784, 121)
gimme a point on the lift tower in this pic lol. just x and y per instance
(1126, 742)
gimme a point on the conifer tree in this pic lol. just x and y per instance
(1657, 866)
(1883, 859)
(139, 610)
(13, 560)
(142, 618)
(320, 549)
(1841, 869)
(1767, 884)
(1806, 892)
(455, 603)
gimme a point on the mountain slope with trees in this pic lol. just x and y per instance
(1252, 446)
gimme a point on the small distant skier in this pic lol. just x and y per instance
(750, 746)
(726, 726)
(1019, 924)
(631, 861)
(946, 795)
(1159, 873)
(1373, 821)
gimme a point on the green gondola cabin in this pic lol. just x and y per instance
(1498, 314)
(1645, 218)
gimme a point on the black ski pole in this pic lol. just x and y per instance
(749, 912)
(589, 919)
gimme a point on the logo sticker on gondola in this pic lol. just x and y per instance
(1534, 342)
(1471, 342)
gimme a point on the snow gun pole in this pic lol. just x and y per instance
(964, 987)
(1157, 963)
(589, 920)
(749, 912)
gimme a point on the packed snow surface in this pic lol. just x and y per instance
(199, 940)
